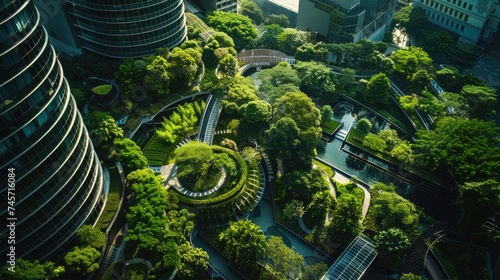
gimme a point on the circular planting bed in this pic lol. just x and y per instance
(104, 91)
(201, 179)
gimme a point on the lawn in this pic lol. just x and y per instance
(114, 195)
(327, 168)
(102, 89)
(157, 150)
(330, 126)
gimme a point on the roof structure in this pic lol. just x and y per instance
(353, 262)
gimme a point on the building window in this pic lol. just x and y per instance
(470, 7)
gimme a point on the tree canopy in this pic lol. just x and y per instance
(377, 92)
(468, 147)
(250, 9)
(238, 27)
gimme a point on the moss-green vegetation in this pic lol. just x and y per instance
(114, 195)
(102, 89)
(330, 126)
(114, 270)
(328, 169)
(461, 261)
(136, 271)
(157, 150)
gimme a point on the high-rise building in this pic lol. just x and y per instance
(476, 22)
(58, 178)
(117, 29)
(218, 5)
(344, 21)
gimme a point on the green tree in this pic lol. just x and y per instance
(293, 137)
(391, 244)
(290, 39)
(411, 276)
(32, 270)
(377, 92)
(129, 154)
(480, 100)
(281, 20)
(158, 76)
(244, 243)
(102, 129)
(269, 38)
(316, 77)
(314, 271)
(286, 262)
(250, 9)
(375, 142)
(468, 147)
(363, 125)
(311, 52)
(390, 136)
(237, 91)
(182, 68)
(293, 210)
(403, 152)
(456, 102)
(217, 47)
(256, 111)
(277, 81)
(437, 42)
(420, 80)
(347, 78)
(326, 113)
(416, 20)
(480, 201)
(346, 223)
(408, 61)
(90, 236)
(402, 17)
(431, 104)
(228, 66)
(449, 79)
(82, 260)
(463, 55)
(238, 27)
(408, 103)
(194, 262)
(301, 185)
(390, 210)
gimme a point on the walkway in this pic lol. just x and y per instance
(209, 119)
(169, 173)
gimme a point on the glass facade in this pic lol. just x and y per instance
(127, 28)
(59, 181)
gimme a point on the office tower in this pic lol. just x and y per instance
(58, 178)
(476, 22)
(117, 29)
(344, 21)
(218, 5)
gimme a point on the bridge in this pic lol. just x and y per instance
(209, 119)
(262, 57)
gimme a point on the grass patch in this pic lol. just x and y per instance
(462, 262)
(327, 168)
(157, 150)
(114, 195)
(330, 126)
(102, 89)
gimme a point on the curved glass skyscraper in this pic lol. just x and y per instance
(59, 181)
(128, 28)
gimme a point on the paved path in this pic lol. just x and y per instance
(169, 173)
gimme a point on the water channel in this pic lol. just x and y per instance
(436, 203)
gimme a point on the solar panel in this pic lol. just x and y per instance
(354, 261)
